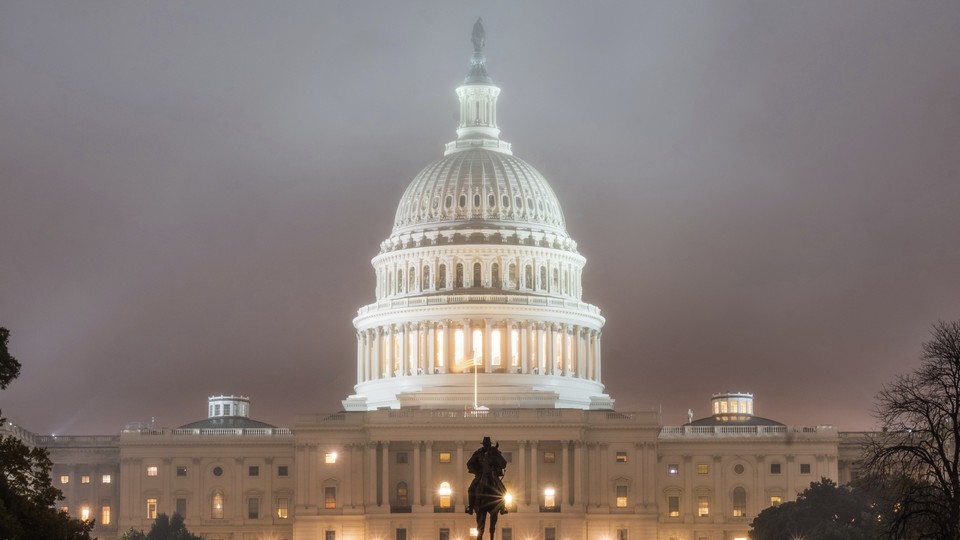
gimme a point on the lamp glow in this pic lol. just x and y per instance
(508, 498)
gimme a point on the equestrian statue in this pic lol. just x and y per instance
(486, 493)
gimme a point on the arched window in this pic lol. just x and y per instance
(478, 346)
(425, 279)
(448, 202)
(442, 278)
(458, 280)
(402, 499)
(543, 278)
(495, 275)
(412, 280)
(556, 280)
(216, 505)
(399, 281)
(445, 492)
(458, 346)
(739, 502)
(476, 200)
(512, 277)
(528, 277)
(463, 201)
(477, 271)
(491, 200)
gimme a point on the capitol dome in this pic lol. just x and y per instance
(478, 298)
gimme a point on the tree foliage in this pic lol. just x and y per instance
(824, 511)
(920, 442)
(164, 528)
(27, 495)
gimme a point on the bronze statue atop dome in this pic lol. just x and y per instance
(479, 36)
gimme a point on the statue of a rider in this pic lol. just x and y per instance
(486, 461)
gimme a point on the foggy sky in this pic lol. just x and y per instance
(191, 192)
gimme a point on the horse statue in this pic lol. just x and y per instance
(486, 492)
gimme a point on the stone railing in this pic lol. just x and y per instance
(446, 299)
(673, 432)
(231, 432)
(446, 416)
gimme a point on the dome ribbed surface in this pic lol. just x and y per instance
(475, 186)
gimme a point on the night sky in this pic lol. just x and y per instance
(191, 192)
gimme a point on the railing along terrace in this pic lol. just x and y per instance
(748, 431)
(445, 416)
(262, 432)
(478, 299)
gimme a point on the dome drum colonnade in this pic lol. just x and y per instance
(479, 277)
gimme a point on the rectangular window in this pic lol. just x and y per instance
(84, 513)
(444, 457)
(152, 470)
(330, 457)
(65, 509)
(181, 471)
(106, 479)
(85, 479)
(182, 507)
(703, 468)
(329, 535)
(703, 506)
(621, 496)
(673, 506)
(550, 533)
(506, 533)
(774, 468)
(621, 534)
(151, 509)
(401, 534)
(253, 470)
(804, 468)
(283, 507)
(329, 497)
(64, 478)
(402, 458)
(621, 457)
(673, 469)
(253, 508)
(283, 470)
(775, 500)
(549, 457)
(445, 534)
(226, 409)
(105, 515)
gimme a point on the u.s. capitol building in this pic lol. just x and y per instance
(478, 328)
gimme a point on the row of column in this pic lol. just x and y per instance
(406, 349)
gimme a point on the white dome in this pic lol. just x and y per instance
(479, 185)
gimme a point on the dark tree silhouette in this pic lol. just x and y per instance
(824, 511)
(164, 528)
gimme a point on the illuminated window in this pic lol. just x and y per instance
(283, 507)
(549, 497)
(85, 479)
(458, 346)
(402, 499)
(152, 471)
(703, 506)
(515, 347)
(105, 515)
(105, 479)
(402, 458)
(495, 347)
(84, 513)
(444, 457)
(329, 497)
(330, 457)
(65, 509)
(445, 492)
(739, 502)
(181, 471)
(253, 508)
(216, 506)
(621, 496)
(226, 409)
(774, 468)
(804, 468)
(621, 457)
(253, 470)
(673, 469)
(151, 509)
(549, 457)
(558, 350)
(478, 346)
(64, 479)
(673, 506)
(438, 346)
(703, 468)
(181, 504)
(775, 500)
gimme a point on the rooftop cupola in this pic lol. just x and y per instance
(478, 103)
(219, 406)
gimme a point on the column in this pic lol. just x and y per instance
(488, 346)
(385, 473)
(757, 503)
(598, 375)
(376, 358)
(417, 499)
(371, 498)
(301, 470)
(564, 350)
(431, 349)
(525, 347)
(534, 477)
(550, 360)
(717, 505)
(445, 346)
(404, 349)
(578, 473)
(429, 476)
(604, 478)
(391, 348)
(565, 473)
(791, 489)
(521, 496)
(347, 478)
(461, 489)
(467, 340)
(640, 491)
